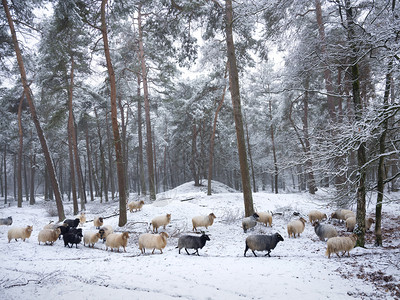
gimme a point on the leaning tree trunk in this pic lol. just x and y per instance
(114, 120)
(46, 153)
(149, 145)
(237, 111)
(361, 151)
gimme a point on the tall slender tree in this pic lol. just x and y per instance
(28, 95)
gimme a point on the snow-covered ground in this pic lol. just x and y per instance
(297, 267)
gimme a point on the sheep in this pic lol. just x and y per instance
(296, 227)
(324, 231)
(349, 215)
(49, 235)
(64, 228)
(249, 222)
(105, 231)
(72, 238)
(261, 242)
(316, 215)
(6, 221)
(135, 205)
(340, 214)
(91, 238)
(116, 240)
(98, 222)
(265, 218)
(342, 243)
(351, 223)
(152, 241)
(192, 242)
(82, 219)
(72, 223)
(203, 221)
(20, 233)
(160, 221)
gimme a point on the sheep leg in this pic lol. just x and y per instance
(253, 252)
(269, 251)
(152, 252)
(337, 254)
(186, 251)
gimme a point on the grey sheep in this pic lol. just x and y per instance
(250, 222)
(324, 231)
(6, 221)
(261, 242)
(192, 242)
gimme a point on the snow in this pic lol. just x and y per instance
(297, 267)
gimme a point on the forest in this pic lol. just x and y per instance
(103, 99)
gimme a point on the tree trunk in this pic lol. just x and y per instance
(114, 119)
(5, 174)
(212, 139)
(361, 151)
(110, 160)
(124, 142)
(140, 138)
(71, 165)
(103, 181)
(193, 160)
(237, 111)
(149, 145)
(381, 166)
(90, 164)
(250, 156)
(32, 185)
(73, 140)
(271, 128)
(20, 149)
(49, 163)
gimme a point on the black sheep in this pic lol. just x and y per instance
(72, 238)
(192, 242)
(64, 229)
(72, 223)
(262, 242)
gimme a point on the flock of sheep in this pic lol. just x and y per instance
(71, 234)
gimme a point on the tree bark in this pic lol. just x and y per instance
(20, 150)
(361, 151)
(103, 181)
(49, 163)
(381, 165)
(117, 141)
(149, 145)
(237, 111)
(5, 174)
(140, 138)
(271, 128)
(212, 139)
(90, 164)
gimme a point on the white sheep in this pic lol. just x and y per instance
(98, 222)
(349, 215)
(135, 205)
(340, 214)
(91, 238)
(105, 231)
(296, 227)
(249, 222)
(351, 223)
(116, 240)
(265, 217)
(160, 221)
(316, 215)
(203, 221)
(49, 235)
(82, 218)
(20, 233)
(152, 241)
(340, 244)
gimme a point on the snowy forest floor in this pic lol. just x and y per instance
(297, 267)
